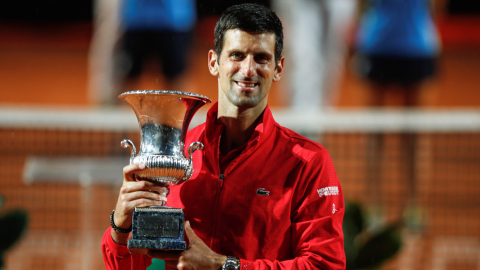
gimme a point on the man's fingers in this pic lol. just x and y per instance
(129, 187)
(192, 237)
(142, 198)
(147, 202)
(137, 194)
(144, 194)
(129, 170)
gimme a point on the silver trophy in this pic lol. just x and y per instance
(164, 117)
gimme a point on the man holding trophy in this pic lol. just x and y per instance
(260, 196)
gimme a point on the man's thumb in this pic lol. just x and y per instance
(192, 237)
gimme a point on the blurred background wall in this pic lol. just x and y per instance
(61, 158)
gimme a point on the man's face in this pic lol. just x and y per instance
(246, 68)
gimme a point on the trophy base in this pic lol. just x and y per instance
(157, 244)
(157, 228)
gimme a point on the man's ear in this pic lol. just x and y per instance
(212, 62)
(279, 70)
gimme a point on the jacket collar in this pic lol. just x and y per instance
(262, 131)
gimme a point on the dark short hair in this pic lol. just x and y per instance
(252, 18)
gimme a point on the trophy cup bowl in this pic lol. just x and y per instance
(163, 117)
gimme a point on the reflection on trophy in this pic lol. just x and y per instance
(164, 117)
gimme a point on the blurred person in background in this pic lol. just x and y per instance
(149, 30)
(397, 47)
(317, 46)
(155, 30)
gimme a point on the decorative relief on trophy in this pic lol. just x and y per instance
(164, 117)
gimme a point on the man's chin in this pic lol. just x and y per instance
(245, 102)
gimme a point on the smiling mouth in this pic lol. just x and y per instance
(249, 85)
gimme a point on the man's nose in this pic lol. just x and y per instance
(248, 67)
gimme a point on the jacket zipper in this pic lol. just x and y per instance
(216, 214)
(221, 177)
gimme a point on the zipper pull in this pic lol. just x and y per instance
(221, 177)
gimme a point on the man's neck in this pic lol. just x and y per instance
(239, 126)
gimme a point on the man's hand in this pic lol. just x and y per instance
(133, 194)
(197, 256)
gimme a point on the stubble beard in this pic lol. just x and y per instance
(244, 101)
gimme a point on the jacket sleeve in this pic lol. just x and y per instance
(317, 215)
(118, 257)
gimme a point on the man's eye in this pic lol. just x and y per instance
(236, 55)
(261, 59)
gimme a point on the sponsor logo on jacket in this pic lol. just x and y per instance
(327, 191)
(263, 192)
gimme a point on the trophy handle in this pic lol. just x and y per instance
(127, 143)
(194, 146)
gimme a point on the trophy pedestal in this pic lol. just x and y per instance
(157, 228)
